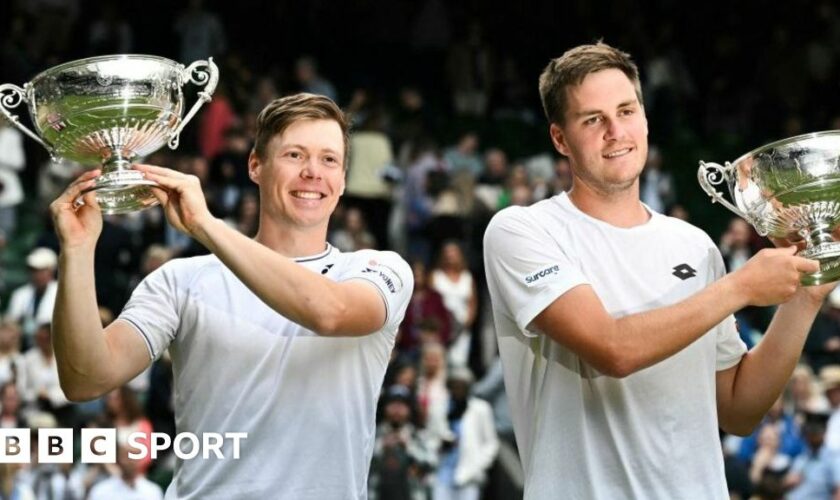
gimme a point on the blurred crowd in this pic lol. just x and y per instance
(435, 152)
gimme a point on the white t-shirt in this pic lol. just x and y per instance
(307, 402)
(653, 434)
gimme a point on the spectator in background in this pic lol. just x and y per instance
(402, 455)
(464, 157)
(815, 475)
(736, 249)
(491, 388)
(425, 177)
(42, 390)
(370, 153)
(787, 435)
(11, 359)
(11, 407)
(562, 180)
(216, 119)
(124, 413)
(735, 244)
(491, 182)
(426, 306)
(129, 483)
(656, 187)
(53, 177)
(804, 394)
(12, 485)
(202, 34)
(306, 73)
(247, 213)
(453, 280)
(469, 442)
(12, 161)
(432, 395)
(354, 234)
(768, 468)
(32, 304)
(822, 347)
(830, 379)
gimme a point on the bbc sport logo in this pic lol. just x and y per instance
(99, 446)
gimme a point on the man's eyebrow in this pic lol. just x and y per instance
(590, 112)
(301, 146)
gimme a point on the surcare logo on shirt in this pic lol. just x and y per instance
(386, 274)
(532, 279)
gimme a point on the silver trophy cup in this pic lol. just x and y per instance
(788, 190)
(109, 111)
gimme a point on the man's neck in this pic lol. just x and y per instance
(620, 209)
(292, 242)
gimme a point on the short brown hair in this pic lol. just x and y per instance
(280, 113)
(572, 67)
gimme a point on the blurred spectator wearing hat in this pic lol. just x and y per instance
(403, 454)
(815, 474)
(469, 441)
(32, 304)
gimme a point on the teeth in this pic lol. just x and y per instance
(618, 153)
(309, 195)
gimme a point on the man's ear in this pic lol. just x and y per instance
(254, 165)
(558, 138)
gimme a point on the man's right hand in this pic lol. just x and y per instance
(772, 275)
(78, 226)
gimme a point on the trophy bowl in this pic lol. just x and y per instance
(108, 111)
(788, 190)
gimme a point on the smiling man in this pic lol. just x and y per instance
(614, 322)
(283, 336)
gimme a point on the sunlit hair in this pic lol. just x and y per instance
(572, 67)
(280, 113)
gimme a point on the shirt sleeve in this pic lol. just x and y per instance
(390, 275)
(528, 267)
(153, 309)
(730, 347)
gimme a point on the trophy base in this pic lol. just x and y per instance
(123, 191)
(828, 254)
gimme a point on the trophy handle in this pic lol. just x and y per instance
(712, 174)
(199, 73)
(10, 97)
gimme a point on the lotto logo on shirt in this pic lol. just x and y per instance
(99, 446)
(533, 278)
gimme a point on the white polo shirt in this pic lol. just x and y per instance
(307, 402)
(653, 434)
